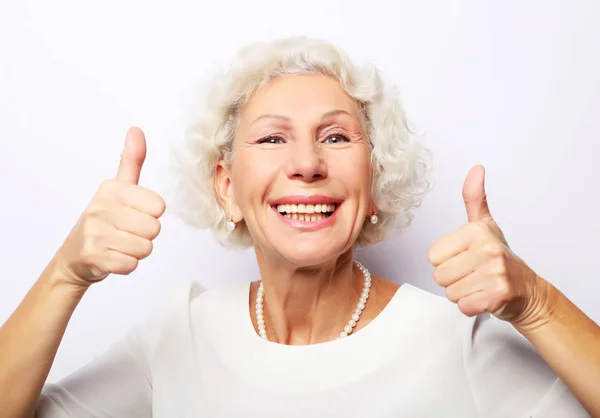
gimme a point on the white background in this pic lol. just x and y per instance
(513, 85)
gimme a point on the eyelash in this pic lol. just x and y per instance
(277, 137)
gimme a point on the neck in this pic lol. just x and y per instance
(308, 305)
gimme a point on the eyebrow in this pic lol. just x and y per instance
(326, 115)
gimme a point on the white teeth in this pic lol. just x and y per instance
(306, 213)
(302, 208)
(305, 217)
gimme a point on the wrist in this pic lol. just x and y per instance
(59, 278)
(541, 310)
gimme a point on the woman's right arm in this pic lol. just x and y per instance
(112, 235)
(30, 338)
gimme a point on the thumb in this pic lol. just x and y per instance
(133, 156)
(474, 195)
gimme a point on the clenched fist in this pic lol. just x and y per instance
(117, 228)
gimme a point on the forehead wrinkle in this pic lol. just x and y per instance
(283, 118)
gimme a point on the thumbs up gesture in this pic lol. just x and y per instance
(479, 270)
(117, 228)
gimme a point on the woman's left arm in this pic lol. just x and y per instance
(482, 274)
(569, 341)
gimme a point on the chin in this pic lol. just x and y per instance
(311, 253)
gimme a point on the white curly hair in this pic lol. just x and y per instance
(399, 160)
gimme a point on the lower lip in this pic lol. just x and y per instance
(308, 225)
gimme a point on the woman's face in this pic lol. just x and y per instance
(301, 172)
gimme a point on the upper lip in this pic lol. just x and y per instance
(307, 200)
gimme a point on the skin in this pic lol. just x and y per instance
(482, 274)
(112, 235)
(310, 286)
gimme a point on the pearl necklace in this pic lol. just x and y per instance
(360, 306)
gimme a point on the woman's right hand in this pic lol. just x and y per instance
(117, 228)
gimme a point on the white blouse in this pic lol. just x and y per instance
(420, 357)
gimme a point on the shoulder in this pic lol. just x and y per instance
(434, 311)
(506, 374)
(495, 345)
(191, 294)
(171, 321)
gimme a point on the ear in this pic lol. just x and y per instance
(225, 194)
(372, 209)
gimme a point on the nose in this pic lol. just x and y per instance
(306, 161)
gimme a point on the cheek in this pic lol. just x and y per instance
(355, 170)
(252, 175)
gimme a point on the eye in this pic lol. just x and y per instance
(336, 139)
(271, 140)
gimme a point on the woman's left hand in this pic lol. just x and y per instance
(479, 270)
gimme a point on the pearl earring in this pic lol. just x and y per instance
(230, 225)
(374, 219)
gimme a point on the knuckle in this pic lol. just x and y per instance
(88, 260)
(107, 187)
(91, 230)
(492, 249)
(150, 202)
(479, 228)
(468, 227)
(156, 205)
(486, 305)
(124, 264)
(100, 208)
(437, 276)
(88, 251)
(502, 288)
(93, 239)
(128, 265)
(432, 255)
(94, 209)
(155, 229)
(147, 248)
(500, 269)
(161, 205)
(450, 294)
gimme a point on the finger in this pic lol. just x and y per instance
(133, 156)
(129, 244)
(130, 220)
(464, 287)
(452, 244)
(455, 268)
(118, 263)
(474, 195)
(475, 304)
(144, 200)
(135, 197)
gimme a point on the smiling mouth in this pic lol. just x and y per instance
(307, 212)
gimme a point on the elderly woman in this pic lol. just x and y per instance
(303, 155)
